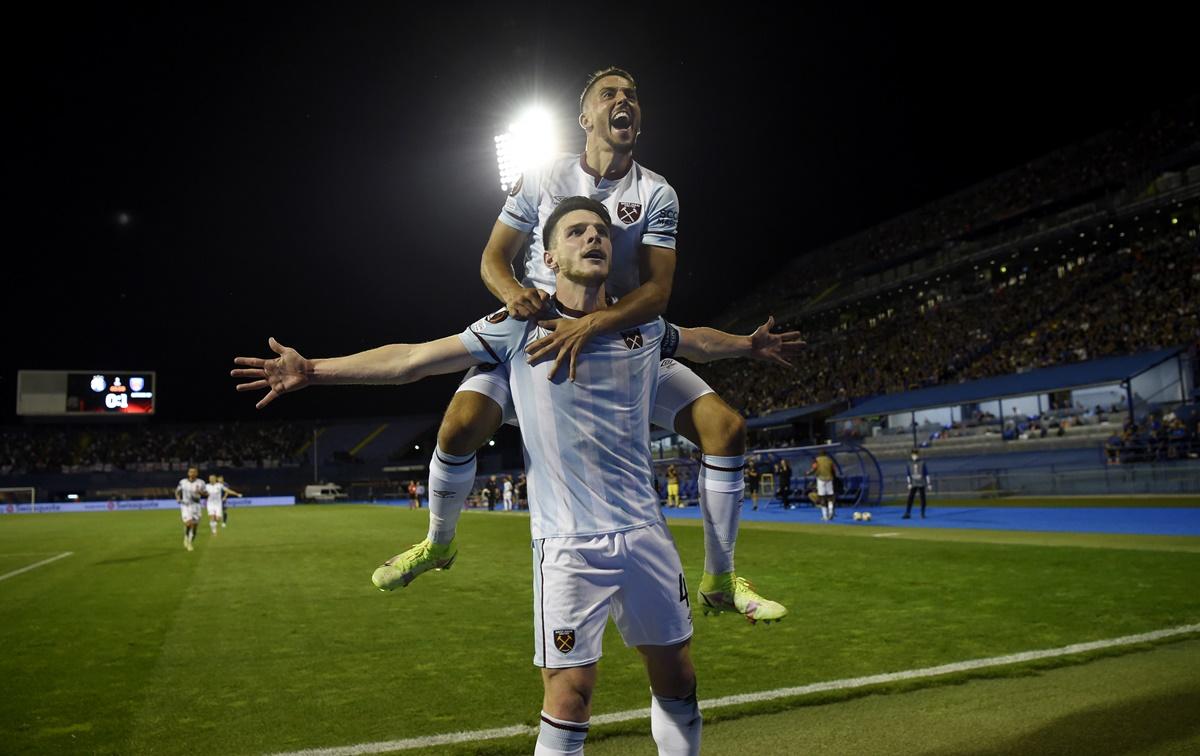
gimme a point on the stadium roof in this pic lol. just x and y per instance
(1059, 378)
(787, 416)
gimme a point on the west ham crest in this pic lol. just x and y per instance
(629, 212)
(564, 640)
(633, 339)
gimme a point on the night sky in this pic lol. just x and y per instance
(326, 174)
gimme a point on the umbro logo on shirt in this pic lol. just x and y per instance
(633, 339)
(629, 212)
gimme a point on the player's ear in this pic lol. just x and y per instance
(584, 121)
(551, 263)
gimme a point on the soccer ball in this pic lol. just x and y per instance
(858, 516)
(866, 516)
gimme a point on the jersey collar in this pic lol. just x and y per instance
(564, 310)
(596, 177)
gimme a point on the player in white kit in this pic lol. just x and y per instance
(508, 494)
(601, 547)
(188, 493)
(216, 492)
(645, 213)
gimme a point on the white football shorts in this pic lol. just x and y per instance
(216, 509)
(189, 512)
(579, 581)
(678, 387)
(824, 487)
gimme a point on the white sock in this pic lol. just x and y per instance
(558, 737)
(212, 525)
(676, 724)
(721, 487)
(451, 478)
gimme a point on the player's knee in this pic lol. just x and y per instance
(568, 694)
(470, 420)
(722, 431)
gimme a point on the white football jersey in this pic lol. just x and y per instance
(587, 443)
(191, 491)
(214, 491)
(643, 206)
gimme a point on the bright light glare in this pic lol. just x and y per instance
(529, 143)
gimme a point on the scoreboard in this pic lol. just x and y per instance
(65, 393)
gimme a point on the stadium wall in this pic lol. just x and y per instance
(123, 506)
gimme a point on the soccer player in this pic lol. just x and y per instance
(673, 486)
(188, 493)
(601, 546)
(824, 468)
(508, 493)
(645, 213)
(225, 492)
(917, 475)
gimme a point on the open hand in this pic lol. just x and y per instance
(775, 347)
(286, 373)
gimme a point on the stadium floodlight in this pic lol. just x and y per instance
(530, 142)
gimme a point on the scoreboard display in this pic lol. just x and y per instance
(85, 393)
(120, 393)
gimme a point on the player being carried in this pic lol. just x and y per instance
(645, 214)
(601, 546)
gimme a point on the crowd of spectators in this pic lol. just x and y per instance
(94, 448)
(1054, 309)
(1161, 437)
(1117, 162)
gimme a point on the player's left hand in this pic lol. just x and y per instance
(567, 338)
(775, 347)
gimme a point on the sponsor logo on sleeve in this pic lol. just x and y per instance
(516, 188)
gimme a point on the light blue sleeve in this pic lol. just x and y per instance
(662, 218)
(521, 207)
(495, 338)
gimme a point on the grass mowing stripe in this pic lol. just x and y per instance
(766, 695)
(35, 565)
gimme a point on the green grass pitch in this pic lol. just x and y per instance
(270, 637)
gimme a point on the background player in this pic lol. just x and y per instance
(917, 476)
(645, 212)
(825, 472)
(225, 500)
(188, 493)
(673, 486)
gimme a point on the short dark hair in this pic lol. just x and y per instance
(566, 206)
(598, 75)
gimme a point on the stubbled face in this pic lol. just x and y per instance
(582, 251)
(612, 113)
(193, 473)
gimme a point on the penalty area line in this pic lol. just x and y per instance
(35, 565)
(765, 695)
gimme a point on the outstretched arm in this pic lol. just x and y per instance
(391, 364)
(708, 344)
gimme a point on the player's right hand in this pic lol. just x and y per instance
(526, 303)
(286, 373)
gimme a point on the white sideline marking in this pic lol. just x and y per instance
(884, 535)
(35, 565)
(765, 695)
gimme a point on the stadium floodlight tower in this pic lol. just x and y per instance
(530, 142)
